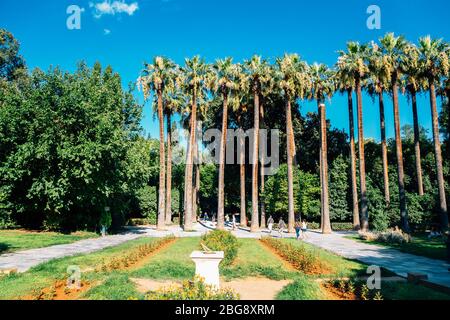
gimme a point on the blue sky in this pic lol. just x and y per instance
(127, 33)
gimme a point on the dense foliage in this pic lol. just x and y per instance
(220, 240)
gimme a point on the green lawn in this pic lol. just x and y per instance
(173, 263)
(15, 240)
(420, 245)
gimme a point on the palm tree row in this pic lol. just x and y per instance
(387, 67)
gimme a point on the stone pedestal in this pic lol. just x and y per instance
(207, 266)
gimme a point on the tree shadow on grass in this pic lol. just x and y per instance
(4, 247)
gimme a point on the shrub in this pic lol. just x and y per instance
(302, 259)
(336, 226)
(392, 236)
(220, 240)
(192, 290)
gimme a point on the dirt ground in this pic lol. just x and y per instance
(248, 288)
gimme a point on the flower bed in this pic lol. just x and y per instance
(297, 255)
(134, 256)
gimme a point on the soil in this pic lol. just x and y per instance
(254, 288)
(146, 285)
(335, 294)
(59, 291)
(285, 263)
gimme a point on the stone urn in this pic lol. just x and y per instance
(207, 266)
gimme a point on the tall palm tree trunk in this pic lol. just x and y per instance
(362, 163)
(196, 187)
(384, 152)
(398, 148)
(189, 165)
(223, 141)
(263, 153)
(326, 224)
(162, 161)
(243, 213)
(438, 156)
(356, 222)
(169, 171)
(290, 158)
(254, 227)
(417, 144)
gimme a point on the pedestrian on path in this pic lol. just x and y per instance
(304, 229)
(281, 227)
(298, 230)
(270, 224)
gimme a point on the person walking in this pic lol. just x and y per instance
(304, 229)
(298, 230)
(270, 224)
(281, 227)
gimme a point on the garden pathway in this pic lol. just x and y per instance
(398, 262)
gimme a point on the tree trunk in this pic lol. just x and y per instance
(326, 224)
(398, 147)
(263, 152)
(438, 157)
(417, 144)
(223, 142)
(254, 227)
(356, 222)
(362, 163)
(290, 158)
(189, 165)
(196, 182)
(242, 179)
(384, 152)
(169, 171)
(162, 160)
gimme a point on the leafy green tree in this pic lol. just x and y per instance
(12, 64)
(65, 144)
(338, 185)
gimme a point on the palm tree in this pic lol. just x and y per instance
(155, 77)
(256, 71)
(346, 83)
(240, 100)
(414, 84)
(393, 51)
(352, 63)
(268, 86)
(195, 75)
(294, 82)
(434, 55)
(225, 72)
(173, 101)
(378, 82)
(322, 87)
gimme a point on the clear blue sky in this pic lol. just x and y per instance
(141, 29)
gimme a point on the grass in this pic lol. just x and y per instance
(19, 285)
(16, 240)
(174, 263)
(303, 288)
(420, 245)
